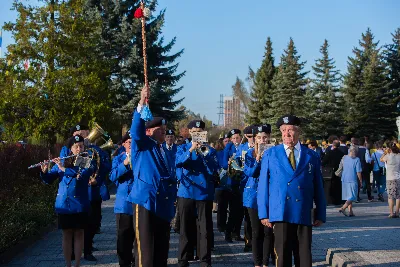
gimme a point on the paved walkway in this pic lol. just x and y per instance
(369, 239)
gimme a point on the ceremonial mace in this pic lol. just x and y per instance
(142, 13)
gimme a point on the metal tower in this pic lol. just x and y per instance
(221, 110)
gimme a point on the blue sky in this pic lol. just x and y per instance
(222, 38)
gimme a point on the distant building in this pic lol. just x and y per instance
(233, 115)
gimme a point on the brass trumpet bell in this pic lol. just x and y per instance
(96, 133)
(108, 145)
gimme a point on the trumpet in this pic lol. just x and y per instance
(52, 160)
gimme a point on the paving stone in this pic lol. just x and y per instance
(369, 239)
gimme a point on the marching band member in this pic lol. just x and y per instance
(262, 242)
(196, 193)
(290, 180)
(122, 175)
(170, 149)
(154, 189)
(97, 192)
(240, 157)
(231, 195)
(72, 202)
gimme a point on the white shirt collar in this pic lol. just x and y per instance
(168, 146)
(297, 146)
(343, 145)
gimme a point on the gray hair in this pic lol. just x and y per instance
(353, 150)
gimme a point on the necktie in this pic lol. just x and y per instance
(291, 158)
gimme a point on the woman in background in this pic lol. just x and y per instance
(392, 159)
(351, 180)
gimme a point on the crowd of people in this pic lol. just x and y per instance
(275, 190)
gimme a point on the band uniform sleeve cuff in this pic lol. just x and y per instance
(139, 108)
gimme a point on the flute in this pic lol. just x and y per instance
(52, 160)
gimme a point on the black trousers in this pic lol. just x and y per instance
(263, 240)
(222, 197)
(187, 210)
(92, 226)
(292, 238)
(236, 213)
(125, 239)
(247, 228)
(152, 238)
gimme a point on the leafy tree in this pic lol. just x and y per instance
(65, 81)
(261, 92)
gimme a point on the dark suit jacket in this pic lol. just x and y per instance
(332, 158)
(344, 149)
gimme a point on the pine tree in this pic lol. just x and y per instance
(122, 41)
(364, 83)
(392, 57)
(65, 81)
(324, 96)
(377, 121)
(289, 85)
(261, 92)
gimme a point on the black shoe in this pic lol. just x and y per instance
(247, 249)
(228, 238)
(95, 249)
(90, 257)
(221, 230)
(98, 231)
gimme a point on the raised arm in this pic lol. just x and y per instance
(227, 155)
(118, 169)
(138, 128)
(251, 165)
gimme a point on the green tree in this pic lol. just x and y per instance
(122, 42)
(261, 91)
(324, 96)
(66, 81)
(366, 81)
(392, 57)
(289, 85)
(377, 119)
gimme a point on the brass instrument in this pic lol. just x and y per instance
(234, 170)
(201, 137)
(98, 132)
(108, 145)
(203, 149)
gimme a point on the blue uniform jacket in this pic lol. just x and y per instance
(252, 171)
(100, 190)
(122, 177)
(232, 184)
(171, 155)
(154, 187)
(72, 196)
(197, 181)
(287, 195)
